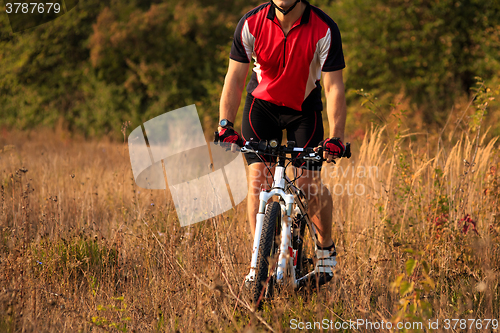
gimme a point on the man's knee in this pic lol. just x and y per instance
(310, 184)
(259, 176)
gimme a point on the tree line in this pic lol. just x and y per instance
(106, 62)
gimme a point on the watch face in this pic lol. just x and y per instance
(223, 123)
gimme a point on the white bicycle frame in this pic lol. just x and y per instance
(286, 252)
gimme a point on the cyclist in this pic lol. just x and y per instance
(291, 43)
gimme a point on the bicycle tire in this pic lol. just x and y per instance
(299, 238)
(306, 261)
(268, 248)
(302, 242)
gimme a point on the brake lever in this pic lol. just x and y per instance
(320, 153)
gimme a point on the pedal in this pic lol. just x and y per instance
(309, 280)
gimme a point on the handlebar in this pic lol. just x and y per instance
(272, 148)
(264, 147)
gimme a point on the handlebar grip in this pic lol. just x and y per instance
(320, 153)
(347, 152)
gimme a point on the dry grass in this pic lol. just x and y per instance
(84, 249)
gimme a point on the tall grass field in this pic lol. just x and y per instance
(84, 249)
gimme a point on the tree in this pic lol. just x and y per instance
(106, 62)
(430, 50)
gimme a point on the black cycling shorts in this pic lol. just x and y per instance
(263, 120)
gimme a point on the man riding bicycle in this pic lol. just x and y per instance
(291, 43)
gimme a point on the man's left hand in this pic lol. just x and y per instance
(332, 148)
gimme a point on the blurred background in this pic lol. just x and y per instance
(107, 62)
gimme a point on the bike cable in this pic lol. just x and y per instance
(268, 169)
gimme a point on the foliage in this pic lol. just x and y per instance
(428, 50)
(112, 316)
(106, 62)
(411, 286)
(43, 69)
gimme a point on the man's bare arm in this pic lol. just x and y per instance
(232, 90)
(335, 103)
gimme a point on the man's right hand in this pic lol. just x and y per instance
(228, 136)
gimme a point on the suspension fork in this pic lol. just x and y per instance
(258, 232)
(285, 258)
(279, 190)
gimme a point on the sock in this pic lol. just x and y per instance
(326, 248)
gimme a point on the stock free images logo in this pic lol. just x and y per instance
(29, 14)
(204, 179)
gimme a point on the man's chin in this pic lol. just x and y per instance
(283, 4)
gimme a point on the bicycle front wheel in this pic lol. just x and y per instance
(267, 254)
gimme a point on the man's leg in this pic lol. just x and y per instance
(256, 179)
(320, 204)
(320, 208)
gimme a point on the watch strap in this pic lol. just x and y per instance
(229, 124)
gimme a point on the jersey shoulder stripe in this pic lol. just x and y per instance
(242, 47)
(333, 58)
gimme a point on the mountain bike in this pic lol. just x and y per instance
(282, 254)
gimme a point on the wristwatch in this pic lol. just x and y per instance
(224, 123)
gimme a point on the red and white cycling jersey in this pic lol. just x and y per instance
(288, 68)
